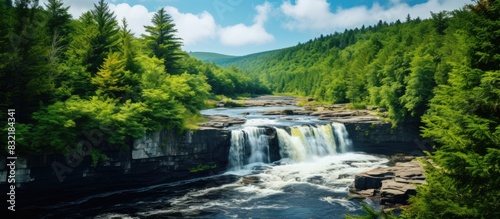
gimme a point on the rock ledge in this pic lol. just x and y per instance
(392, 185)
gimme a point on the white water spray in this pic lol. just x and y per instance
(299, 143)
(252, 139)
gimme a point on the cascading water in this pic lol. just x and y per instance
(342, 135)
(306, 142)
(249, 140)
(301, 143)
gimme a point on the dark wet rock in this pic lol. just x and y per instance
(249, 180)
(343, 176)
(316, 180)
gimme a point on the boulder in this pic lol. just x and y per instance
(393, 184)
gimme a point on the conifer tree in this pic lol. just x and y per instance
(58, 22)
(106, 39)
(111, 78)
(162, 41)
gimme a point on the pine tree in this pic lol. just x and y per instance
(162, 41)
(106, 39)
(126, 48)
(58, 21)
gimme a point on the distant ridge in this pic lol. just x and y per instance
(228, 60)
(213, 57)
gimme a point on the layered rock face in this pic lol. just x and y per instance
(157, 158)
(393, 185)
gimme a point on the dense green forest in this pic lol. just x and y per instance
(65, 76)
(442, 72)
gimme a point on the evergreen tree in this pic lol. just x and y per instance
(27, 76)
(58, 25)
(129, 53)
(111, 78)
(463, 119)
(106, 39)
(162, 41)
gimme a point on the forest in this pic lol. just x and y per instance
(65, 75)
(442, 73)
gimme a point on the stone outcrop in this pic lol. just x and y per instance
(393, 185)
(220, 121)
(383, 138)
(157, 158)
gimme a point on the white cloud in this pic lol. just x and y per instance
(241, 34)
(137, 16)
(316, 14)
(193, 28)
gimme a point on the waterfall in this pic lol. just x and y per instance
(343, 139)
(300, 143)
(306, 142)
(249, 140)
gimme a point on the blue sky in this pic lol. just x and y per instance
(240, 27)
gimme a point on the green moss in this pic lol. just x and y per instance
(201, 167)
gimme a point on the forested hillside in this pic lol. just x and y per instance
(212, 57)
(67, 76)
(443, 72)
(394, 66)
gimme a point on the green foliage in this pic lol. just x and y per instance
(68, 77)
(112, 77)
(394, 66)
(162, 42)
(372, 214)
(68, 121)
(97, 156)
(463, 119)
(230, 103)
(201, 168)
(106, 38)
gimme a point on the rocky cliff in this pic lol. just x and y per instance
(393, 185)
(158, 157)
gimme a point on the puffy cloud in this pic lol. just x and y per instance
(241, 34)
(193, 28)
(137, 16)
(316, 14)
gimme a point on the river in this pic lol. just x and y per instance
(309, 181)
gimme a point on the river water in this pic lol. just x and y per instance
(309, 181)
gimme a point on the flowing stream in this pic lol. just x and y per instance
(309, 180)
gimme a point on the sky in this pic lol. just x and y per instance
(241, 27)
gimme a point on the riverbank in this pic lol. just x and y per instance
(170, 156)
(391, 186)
